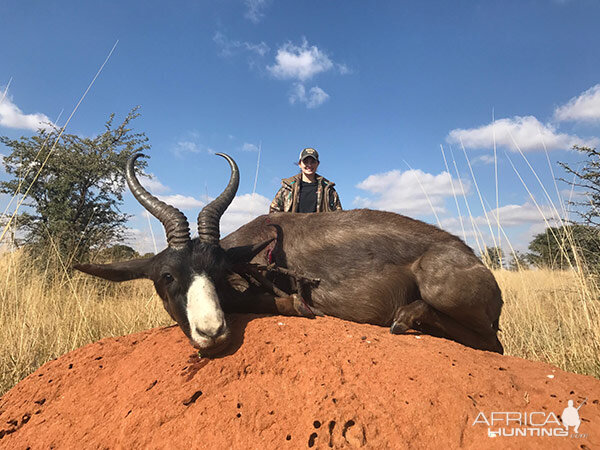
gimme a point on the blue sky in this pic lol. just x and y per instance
(375, 87)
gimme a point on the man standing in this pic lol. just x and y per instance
(306, 191)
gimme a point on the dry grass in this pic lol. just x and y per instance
(41, 320)
(550, 316)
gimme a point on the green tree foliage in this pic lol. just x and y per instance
(75, 186)
(117, 252)
(518, 261)
(566, 247)
(588, 179)
(492, 257)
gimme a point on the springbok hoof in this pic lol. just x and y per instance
(302, 308)
(317, 311)
(398, 328)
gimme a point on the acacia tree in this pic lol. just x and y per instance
(584, 237)
(518, 261)
(75, 187)
(492, 257)
(565, 247)
(587, 178)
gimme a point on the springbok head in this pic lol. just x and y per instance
(187, 273)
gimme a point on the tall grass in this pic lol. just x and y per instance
(43, 317)
(549, 316)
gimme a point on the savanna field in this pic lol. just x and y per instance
(549, 315)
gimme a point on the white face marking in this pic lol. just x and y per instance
(204, 312)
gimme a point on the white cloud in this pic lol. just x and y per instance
(143, 241)
(152, 184)
(12, 117)
(528, 132)
(343, 69)
(569, 194)
(181, 201)
(586, 107)
(525, 215)
(516, 215)
(255, 9)
(182, 147)
(299, 62)
(316, 96)
(229, 47)
(242, 210)
(483, 159)
(247, 147)
(404, 192)
(509, 215)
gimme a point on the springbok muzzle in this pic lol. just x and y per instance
(208, 327)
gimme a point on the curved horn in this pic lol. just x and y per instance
(175, 223)
(209, 217)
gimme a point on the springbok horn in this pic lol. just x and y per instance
(175, 223)
(209, 217)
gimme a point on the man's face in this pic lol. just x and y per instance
(309, 166)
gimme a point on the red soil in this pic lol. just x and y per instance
(289, 383)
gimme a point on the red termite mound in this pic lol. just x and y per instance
(294, 383)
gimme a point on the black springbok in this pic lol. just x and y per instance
(360, 265)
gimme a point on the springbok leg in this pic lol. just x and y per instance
(418, 315)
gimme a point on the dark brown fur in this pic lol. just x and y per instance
(386, 269)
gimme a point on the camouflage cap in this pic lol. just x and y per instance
(308, 152)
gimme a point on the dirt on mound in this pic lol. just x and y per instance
(294, 383)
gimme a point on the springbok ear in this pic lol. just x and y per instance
(118, 271)
(244, 254)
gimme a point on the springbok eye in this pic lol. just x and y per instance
(168, 278)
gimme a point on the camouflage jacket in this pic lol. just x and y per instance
(287, 198)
